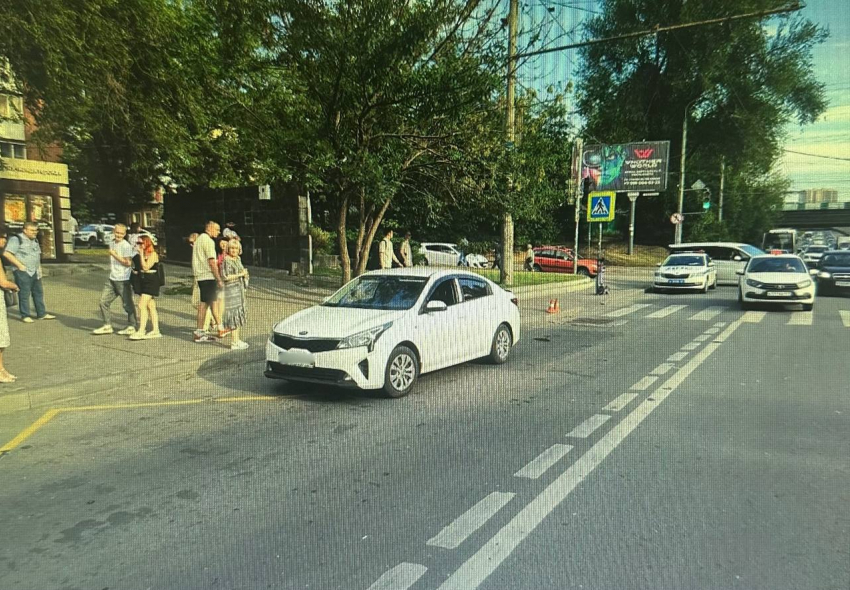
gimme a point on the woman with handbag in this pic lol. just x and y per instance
(9, 288)
(149, 282)
(235, 282)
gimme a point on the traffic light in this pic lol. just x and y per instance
(706, 202)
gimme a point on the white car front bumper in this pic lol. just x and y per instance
(751, 294)
(689, 283)
(350, 367)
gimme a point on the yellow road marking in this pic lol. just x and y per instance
(29, 431)
(50, 414)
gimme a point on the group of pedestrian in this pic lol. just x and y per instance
(386, 254)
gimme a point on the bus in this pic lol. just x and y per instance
(782, 239)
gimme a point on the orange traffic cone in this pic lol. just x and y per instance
(557, 306)
(551, 308)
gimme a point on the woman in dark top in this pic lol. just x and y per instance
(148, 289)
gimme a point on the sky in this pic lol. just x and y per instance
(828, 136)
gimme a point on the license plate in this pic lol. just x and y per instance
(296, 358)
(779, 294)
(842, 283)
(676, 281)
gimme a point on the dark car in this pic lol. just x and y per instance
(834, 272)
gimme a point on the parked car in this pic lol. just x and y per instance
(94, 234)
(728, 257)
(694, 270)
(562, 259)
(386, 328)
(777, 279)
(834, 272)
(447, 254)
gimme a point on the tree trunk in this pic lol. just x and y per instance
(370, 236)
(507, 274)
(345, 260)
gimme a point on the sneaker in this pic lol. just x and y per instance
(48, 316)
(241, 345)
(127, 331)
(150, 335)
(27, 320)
(223, 332)
(137, 336)
(106, 329)
(201, 336)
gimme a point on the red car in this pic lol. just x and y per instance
(561, 259)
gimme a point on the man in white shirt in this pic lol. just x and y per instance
(118, 284)
(386, 254)
(205, 269)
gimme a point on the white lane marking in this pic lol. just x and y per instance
(712, 331)
(664, 312)
(801, 318)
(626, 310)
(544, 461)
(845, 317)
(702, 338)
(401, 577)
(587, 427)
(753, 317)
(644, 383)
(621, 402)
(470, 521)
(690, 346)
(707, 314)
(719, 324)
(674, 358)
(472, 573)
(661, 369)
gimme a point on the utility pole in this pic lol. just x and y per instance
(507, 270)
(678, 238)
(578, 193)
(722, 179)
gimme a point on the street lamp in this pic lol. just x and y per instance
(678, 235)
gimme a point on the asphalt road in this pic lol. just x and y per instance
(656, 441)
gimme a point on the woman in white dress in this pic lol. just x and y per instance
(5, 341)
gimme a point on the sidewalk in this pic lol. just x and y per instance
(59, 362)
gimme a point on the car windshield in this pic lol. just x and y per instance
(684, 261)
(836, 260)
(777, 265)
(385, 292)
(752, 250)
(89, 228)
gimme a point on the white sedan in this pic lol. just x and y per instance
(778, 279)
(385, 328)
(446, 254)
(688, 270)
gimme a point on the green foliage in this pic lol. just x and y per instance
(739, 84)
(322, 240)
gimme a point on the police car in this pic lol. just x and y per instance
(685, 270)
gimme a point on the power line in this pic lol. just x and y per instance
(817, 156)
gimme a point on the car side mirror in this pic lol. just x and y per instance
(813, 272)
(739, 272)
(658, 264)
(711, 263)
(737, 259)
(432, 306)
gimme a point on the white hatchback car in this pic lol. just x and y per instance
(778, 279)
(446, 254)
(688, 270)
(385, 328)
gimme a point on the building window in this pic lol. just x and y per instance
(20, 151)
(6, 150)
(13, 150)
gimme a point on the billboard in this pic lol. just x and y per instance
(627, 166)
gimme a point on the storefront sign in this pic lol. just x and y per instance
(33, 171)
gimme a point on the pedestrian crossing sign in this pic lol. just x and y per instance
(600, 206)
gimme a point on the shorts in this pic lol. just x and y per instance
(208, 291)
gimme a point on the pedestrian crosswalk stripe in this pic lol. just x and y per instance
(845, 317)
(543, 461)
(470, 521)
(801, 319)
(627, 310)
(665, 311)
(708, 313)
(645, 383)
(621, 402)
(753, 317)
(402, 576)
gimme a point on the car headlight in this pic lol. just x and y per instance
(754, 283)
(824, 275)
(804, 284)
(365, 338)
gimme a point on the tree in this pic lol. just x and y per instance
(738, 83)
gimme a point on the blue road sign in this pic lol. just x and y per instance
(600, 206)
